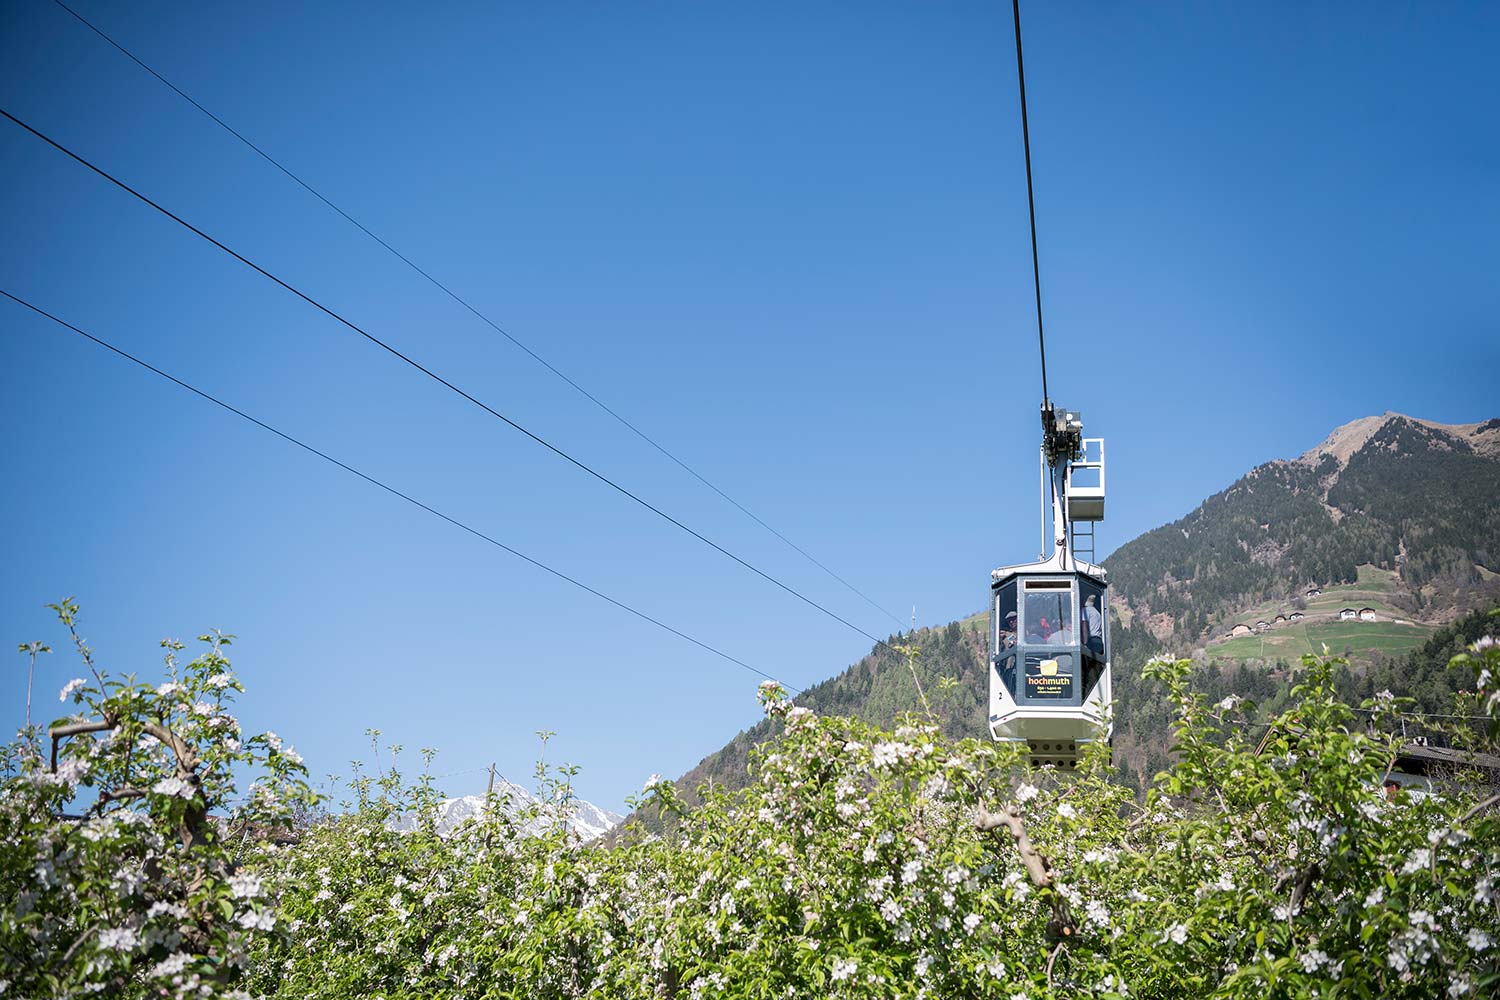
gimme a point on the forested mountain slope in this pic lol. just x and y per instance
(1404, 495)
(1411, 497)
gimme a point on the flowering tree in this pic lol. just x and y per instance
(870, 863)
(120, 838)
(860, 863)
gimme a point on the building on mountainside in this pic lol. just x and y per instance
(1262, 626)
(1423, 765)
(1366, 614)
(1313, 592)
(1348, 615)
(1296, 616)
(1240, 629)
(1279, 620)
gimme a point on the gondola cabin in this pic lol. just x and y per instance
(1050, 678)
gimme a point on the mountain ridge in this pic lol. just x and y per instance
(584, 818)
(1405, 495)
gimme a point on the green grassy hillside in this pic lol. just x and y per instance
(1362, 640)
(1393, 633)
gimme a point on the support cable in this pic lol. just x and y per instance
(441, 380)
(471, 308)
(1036, 269)
(390, 489)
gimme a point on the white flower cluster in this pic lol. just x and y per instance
(244, 886)
(890, 753)
(173, 786)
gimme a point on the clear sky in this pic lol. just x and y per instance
(787, 240)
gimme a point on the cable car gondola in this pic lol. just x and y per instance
(1049, 620)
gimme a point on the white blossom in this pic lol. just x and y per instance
(69, 688)
(1025, 793)
(118, 939)
(886, 754)
(173, 786)
(171, 965)
(70, 772)
(244, 886)
(844, 968)
(252, 921)
(1177, 934)
(1420, 858)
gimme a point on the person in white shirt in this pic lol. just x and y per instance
(1093, 626)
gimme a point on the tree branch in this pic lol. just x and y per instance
(1037, 866)
(186, 760)
(119, 794)
(1481, 807)
(74, 729)
(87, 932)
(1051, 959)
(1304, 883)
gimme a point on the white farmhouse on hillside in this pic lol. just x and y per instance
(1366, 614)
(1348, 615)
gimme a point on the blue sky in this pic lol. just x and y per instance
(786, 240)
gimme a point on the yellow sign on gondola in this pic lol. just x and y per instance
(1050, 679)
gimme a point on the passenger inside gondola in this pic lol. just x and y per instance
(1049, 617)
(1008, 631)
(1093, 626)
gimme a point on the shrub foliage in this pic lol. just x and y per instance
(860, 861)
